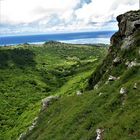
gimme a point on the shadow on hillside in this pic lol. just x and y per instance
(20, 58)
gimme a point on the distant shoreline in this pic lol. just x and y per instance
(72, 38)
(69, 42)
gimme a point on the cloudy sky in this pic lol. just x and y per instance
(53, 16)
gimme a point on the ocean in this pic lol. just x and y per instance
(74, 38)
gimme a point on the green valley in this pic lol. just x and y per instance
(29, 73)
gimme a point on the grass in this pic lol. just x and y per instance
(60, 69)
(78, 117)
(30, 73)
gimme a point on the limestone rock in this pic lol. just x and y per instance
(33, 124)
(135, 86)
(78, 93)
(46, 102)
(99, 134)
(133, 64)
(100, 93)
(21, 137)
(127, 63)
(117, 60)
(106, 83)
(123, 90)
(96, 86)
(112, 78)
(128, 24)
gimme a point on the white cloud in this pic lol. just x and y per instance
(61, 15)
(26, 11)
(103, 11)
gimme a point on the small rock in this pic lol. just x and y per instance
(135, 86)
(123, 90)
(118, 78)
(127, 63)
(48, 100)
(96, 86)
(112, 78)
(116, 60)
(31, 128)
(33, 124)
(106, 82)
(100, 93)
(79, 93)
(21, 137)
(133, 64)
(99, 134)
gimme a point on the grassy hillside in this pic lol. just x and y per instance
(30, 73)
(78, 117)
(110, 101)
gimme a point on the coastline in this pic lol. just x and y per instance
(74, 41)
(72, 38)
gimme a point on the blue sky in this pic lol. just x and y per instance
(54, 16)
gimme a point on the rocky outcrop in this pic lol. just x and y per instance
(124, 41)
(128, 24)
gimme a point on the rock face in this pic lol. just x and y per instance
(127, 38)
(128, 24)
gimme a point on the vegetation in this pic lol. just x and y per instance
(78, 117)
(63, 69)
(30, 73)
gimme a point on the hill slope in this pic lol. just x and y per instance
(30, 73)
(112, 99)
